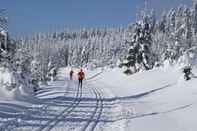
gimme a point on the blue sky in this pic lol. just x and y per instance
(28, 16)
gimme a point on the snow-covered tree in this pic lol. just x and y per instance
(139, 54)
(195, 17)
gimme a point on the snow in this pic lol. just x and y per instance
(10, 89)
(153, 100)
(6, 81)
(123, 85)
(3, 32)
(175, 107)
(158, 99)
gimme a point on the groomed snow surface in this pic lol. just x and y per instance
(155, 100)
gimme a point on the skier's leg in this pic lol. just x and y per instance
(81, 83)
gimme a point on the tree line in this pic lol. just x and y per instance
(142, 45)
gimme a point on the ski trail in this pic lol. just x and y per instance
(94, 113)
(51, 124)
(94, 76)
(66, 112)
(99, 112)
(93, 118)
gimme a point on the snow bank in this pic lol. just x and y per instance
(189, 58)
(7, 83)
(124, 85)
(172, 107)
(10, 87)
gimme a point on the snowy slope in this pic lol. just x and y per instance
(123, 85)
(155, 100)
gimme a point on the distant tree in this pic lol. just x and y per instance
(195, 17)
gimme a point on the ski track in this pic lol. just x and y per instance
(51, 123)
(94, 76)
(96, 115)
(25, 113)
(63, 114)
(91, 123)
(99, 112)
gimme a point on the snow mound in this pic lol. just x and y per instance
(10, 86)
(7, 83)
(189, 58)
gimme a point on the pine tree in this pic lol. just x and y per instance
(139, 54)
(188, 27)
(162, 23)
(195, 17)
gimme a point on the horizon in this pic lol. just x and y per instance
(29, 17)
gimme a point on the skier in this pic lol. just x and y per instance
(187, 72)
(71, 74)
(81, 76)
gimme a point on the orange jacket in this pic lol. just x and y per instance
(81, 75)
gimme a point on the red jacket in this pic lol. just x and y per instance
(81, 75)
